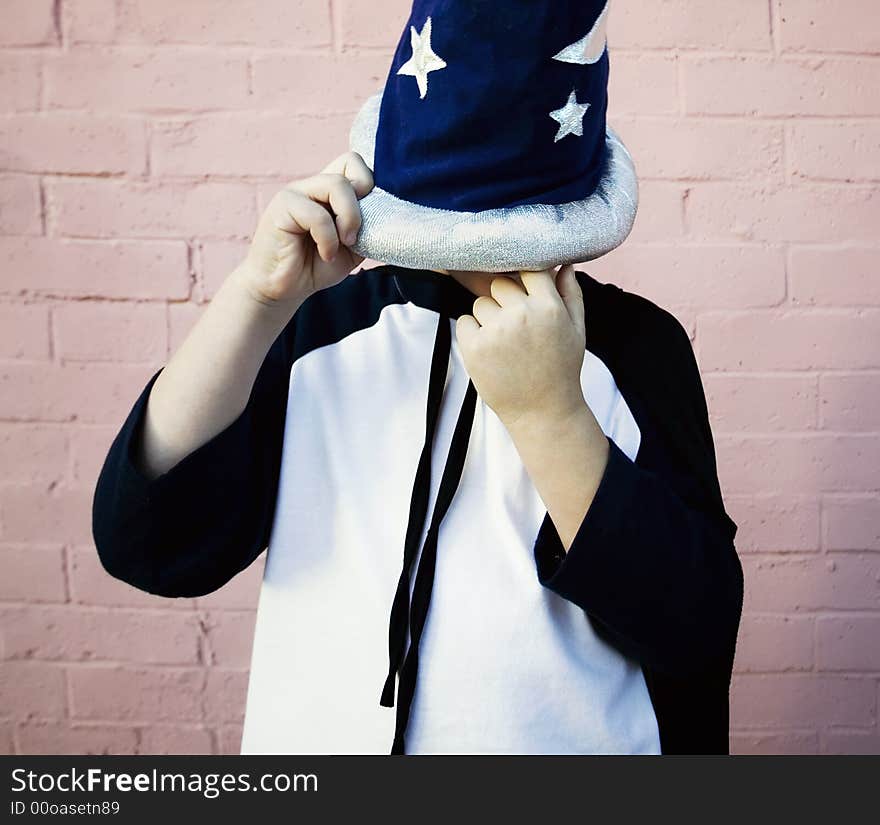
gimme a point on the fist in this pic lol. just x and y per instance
(524, 345)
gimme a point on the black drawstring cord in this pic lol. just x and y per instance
(418, 509)
(425, 573)
(404, 616)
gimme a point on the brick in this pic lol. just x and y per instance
(95, 269)
(142, 695)
(701, 276)
(848, 643)
(801, 214)
(241, 592)
(774, 644)
(72, 143)
(68, 738)
(7, 740)
(361, 26)
(751, 85)
(225, 695)
(32, 573)
(851, 742)
(176, 739)
(33, 453)
(851, 523)
(230, 637)
(788, 340)
(817, 26)
(211, 22)
(20, 209)
(45, 513)
(790, 584)
(815, 276)
(317, 83)
(247, 144)
(111, 332)
(229, 737)
(24, 331)
(761, 403)
(91, 21)
(686, 24)
(136, 80)
(34, 689)
(107, 209)
(91, 584)
(660, 212)
(848, 151)
(19, 81)
(782, 700)
(798, 464)
(773, 743)
(73, 633)
(779, 523)
(218, 259)
(642, 83)
(90, 393)
(88, 449)
(181, 319)
(703, 149)
(843, 401)
(28, 23)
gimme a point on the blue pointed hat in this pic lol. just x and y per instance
(489, 144)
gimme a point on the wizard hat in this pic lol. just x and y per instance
(489, 145)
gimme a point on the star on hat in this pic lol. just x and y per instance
(570, 117)
(424, 60)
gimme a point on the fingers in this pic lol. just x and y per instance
(539, 283)
(295, 213)
(466, 327)
(572, 296)
(325, 206)
(505, 291)
(352, 166)
(485, 309)
(337, 192)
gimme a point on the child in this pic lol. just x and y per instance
(535, 444)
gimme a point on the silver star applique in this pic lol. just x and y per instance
(423, 60)
(570, 117)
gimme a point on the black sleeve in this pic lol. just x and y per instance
(653, 563)
(190, 530)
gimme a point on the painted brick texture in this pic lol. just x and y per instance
(139, 140)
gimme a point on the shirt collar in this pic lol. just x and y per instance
(431, 290)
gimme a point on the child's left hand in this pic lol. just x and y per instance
(523, 347)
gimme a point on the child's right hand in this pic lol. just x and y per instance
(301, 243)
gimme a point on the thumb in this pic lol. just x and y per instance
(572, 296)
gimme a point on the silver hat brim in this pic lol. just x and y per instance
(527, 237)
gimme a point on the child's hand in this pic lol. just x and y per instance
(523, 347)
(301, 242)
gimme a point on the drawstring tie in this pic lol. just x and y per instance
(424, 581)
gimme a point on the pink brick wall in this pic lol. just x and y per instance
(139, 140)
